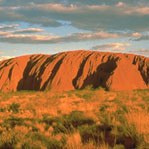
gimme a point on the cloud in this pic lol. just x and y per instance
(142, 51)
(136, 34)
(56, 7)
(9, 15)
(28, 30)
(31, 36)
(93, 17)
(28, 39)
(2, 33)
(5, 57)
(1, 52)
(68, 2)
(90, 36)
(120, 4)
(141, 37)
(12, 37)
(112, 46)
(140, 11)
(8, 27)
(90, 16)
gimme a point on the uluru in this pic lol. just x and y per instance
(75, 70)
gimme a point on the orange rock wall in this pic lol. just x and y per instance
(75, 70)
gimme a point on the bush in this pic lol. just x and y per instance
(77, 118)
(7, 145)
(97, 134)
(50, 143)
(13, 121)
(54, 144)
(62, 128)
(8, 140)
(3, 109)
(51, 120)
(67, 123)
(14, 107)
(91, 133)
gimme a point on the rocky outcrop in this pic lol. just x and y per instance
(75, 70)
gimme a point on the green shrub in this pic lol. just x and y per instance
(90, 133)
(85, 94)
(77, 118)
(8, 141)
(54, 144)
(3, 109)
(128, 133)
(62, 128)
(51, 120)
(72, 121)
(50, 143)
(119, 146)
(7, 145)
(13, 121)
(67, 123)
(14, 107)
(103, 107)
(27, 145)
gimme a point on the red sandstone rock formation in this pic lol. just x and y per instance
(75, 70)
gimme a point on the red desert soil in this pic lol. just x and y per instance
(75, 70)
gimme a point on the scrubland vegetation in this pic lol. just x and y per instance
(80, 119)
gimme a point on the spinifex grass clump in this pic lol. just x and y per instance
(47, 142)
(68, 123)
(14, 107)
(13, 121)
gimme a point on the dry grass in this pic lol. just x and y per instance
(140, 119)
(20, 124)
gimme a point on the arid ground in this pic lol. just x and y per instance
(79, 119)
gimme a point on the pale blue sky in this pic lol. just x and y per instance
(52, 26)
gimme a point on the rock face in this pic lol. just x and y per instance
(75, 70)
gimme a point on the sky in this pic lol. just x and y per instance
(52, 26)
